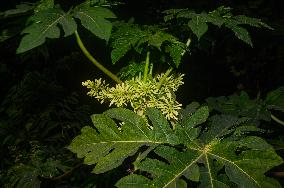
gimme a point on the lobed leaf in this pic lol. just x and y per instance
(210, 157)
(215, 162)
(107, 146)
(222, 16)
(95, 20)
(46, 25)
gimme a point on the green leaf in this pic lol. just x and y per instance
(275, 99)
(45, 24)
(209, 157)
(221, 16)
(242, 19)
(131, 70)
(131, 36)
(176, 51)
(240, 105)
(198, 26)
(44, 5)
(240, 32)
(20, 9)
(217, 162)
(124, 39)
(27, 175)
(95, 20)
(107, 146)
(187, 130)
(134, 180)
(171, 13)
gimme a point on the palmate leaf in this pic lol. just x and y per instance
(222, 16)
(214, 161)
(208, 156)
(48, 22)
(46, 25)
(131, 36)
(107, 147)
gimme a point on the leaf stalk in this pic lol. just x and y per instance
(277, 120)
(164, 77)
(94, 61)
(146, 68)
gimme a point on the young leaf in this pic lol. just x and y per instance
(95, 20)
(45, 24)
(131, 70)
(124, 39)
(130, 36)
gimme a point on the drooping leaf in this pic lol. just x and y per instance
(240, 105)
(95, 20)
(198, 26)
(176, 51)
(240, 32)
(275, 99)
(242, 19)
(45, 24)
(221, 16)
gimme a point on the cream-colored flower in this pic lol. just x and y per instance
(139, 94)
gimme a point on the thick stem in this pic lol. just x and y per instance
(164, 77)
(146, 68)
(277, 120)
(94, 61)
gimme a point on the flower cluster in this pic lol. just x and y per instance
(140, 94)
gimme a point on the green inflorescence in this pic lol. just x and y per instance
(140, 94)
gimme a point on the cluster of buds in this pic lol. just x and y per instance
(140, 94)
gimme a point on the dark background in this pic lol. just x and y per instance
(42, 98)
